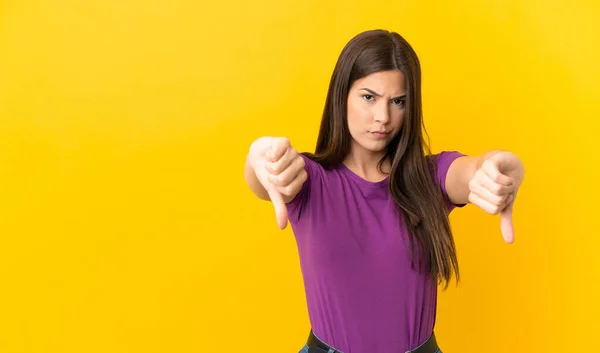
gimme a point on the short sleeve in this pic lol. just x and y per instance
(297, 206)
(443, 160)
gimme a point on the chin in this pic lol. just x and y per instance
(375, 148)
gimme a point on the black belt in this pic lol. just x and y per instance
(315, 345)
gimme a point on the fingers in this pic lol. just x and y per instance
(484, 193)
(494, 202)
(506, 224)
(287, 183)
(490, 189)
(484, 204)
(283, 162)
(496, 188)
(295, 185)
(495, 193)
(279, 146)
(283, 177)
(491, 170)
(279, 205)
(280, 169)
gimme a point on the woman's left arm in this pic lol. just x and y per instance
(490, 181)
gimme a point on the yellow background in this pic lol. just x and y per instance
(125, 222)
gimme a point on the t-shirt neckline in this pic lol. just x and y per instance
(360, 180)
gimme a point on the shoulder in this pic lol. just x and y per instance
(310, 163)
(441, 163)
(317, 170)
(444, 159)
(317, 176)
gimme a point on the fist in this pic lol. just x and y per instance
(494, 188)
(280, 170)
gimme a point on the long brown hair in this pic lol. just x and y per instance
(412, 183)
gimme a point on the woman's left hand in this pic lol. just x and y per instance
(495, 186)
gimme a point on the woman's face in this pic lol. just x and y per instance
(376, 109)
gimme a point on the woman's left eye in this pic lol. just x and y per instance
(398, 101)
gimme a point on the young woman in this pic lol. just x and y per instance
(369, 208)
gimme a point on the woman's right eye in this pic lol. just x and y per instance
(367, 97)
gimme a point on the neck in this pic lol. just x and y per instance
(364, 164)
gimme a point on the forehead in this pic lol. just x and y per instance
(383, 82)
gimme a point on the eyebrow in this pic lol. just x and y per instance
(379, 95)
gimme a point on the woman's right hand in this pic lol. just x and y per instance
(279, 169)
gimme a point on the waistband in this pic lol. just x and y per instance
(315, 345)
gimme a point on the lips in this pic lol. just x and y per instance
(380, 134)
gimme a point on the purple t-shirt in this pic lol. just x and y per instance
(362, 295)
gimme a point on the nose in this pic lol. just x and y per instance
(382, 114)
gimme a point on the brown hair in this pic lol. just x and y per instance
(412, 184)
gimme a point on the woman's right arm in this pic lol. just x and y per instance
(274, 171)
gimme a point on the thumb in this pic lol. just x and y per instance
(279, 205)
(506, 224)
